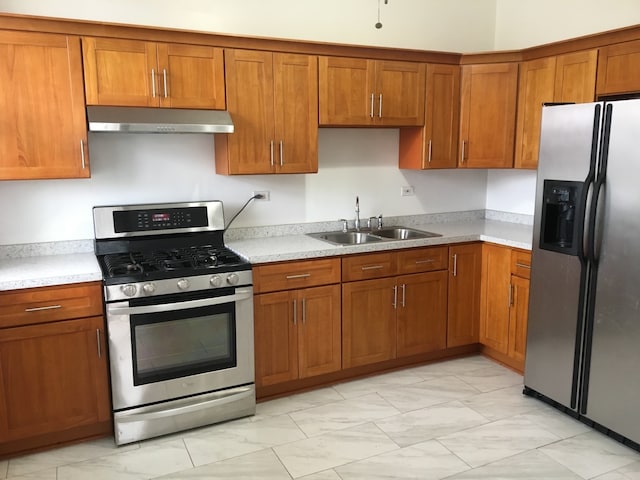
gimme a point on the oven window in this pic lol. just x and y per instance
(180, 343)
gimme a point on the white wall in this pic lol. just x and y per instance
(157, 168)
(511, 191)
(521, 24)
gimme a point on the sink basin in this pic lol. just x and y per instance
(346, 238)
(402, 233)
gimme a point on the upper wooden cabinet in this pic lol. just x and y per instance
(273, 100)
(488, 115)
(576, 77)
(148, 74)
(436, 144)
(43, 132)
(361, 92)
(619, 69)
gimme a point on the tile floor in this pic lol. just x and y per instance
(459, 419)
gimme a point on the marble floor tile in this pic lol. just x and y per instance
(497, 440)
(373, 384)
(141, 464)
(605, 454)
(491, 378)
(47, 474)
(503, 403)
(435, 421)
(235, 440)
(61, 456)
(628, 472)
(555, 422)
(455, 366)
(326, 475)
(4, 466)
(333, 449)
(300, 401)
(343, 414)
(263, 465)
(425, 461)
(530, 465)
(427, 393)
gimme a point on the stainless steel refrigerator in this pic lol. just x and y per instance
(583, 342)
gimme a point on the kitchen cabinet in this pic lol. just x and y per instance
(519, 311)
(619, 69)
(576, 77)
(54, 383)
(297, 320)
(43, 130)
(363, 92)
(149, 74)
(495, 294)
(273, 100)
(436, 144)
(463, 316)
(399, 311)
(488, 115)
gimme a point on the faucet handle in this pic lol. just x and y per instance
(379, 221)
(345, 224)
(369, 222)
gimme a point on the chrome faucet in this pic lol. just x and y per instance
(357, 221)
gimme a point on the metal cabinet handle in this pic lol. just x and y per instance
(404, 291)
(395, 296)
(455, 264)
(271, 143)
(281, 153)
(428, 260)
(99, 343)
(429, 158)
(82, 154)
(153, 83)
(39, 309)
(380, 106)
(523, 265)
(371, 111)
(295, 312)
(372, 267)
(464, 144)
(304, 311)
(164, 74)
(301, 275)
(510, 295)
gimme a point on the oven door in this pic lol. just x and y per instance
(176, 346)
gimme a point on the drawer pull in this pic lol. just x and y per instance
(523, 265)
(372, 267)
(39, 309)
(302, 275)
(428, 260)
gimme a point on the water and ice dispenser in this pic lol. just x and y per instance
(562, 216)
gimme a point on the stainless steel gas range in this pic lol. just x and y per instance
(179, 309)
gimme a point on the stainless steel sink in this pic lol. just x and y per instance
(346, 238)
(403, 233)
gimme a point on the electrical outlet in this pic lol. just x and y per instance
(266, 195)
(407, 191)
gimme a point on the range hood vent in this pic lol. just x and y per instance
(158, 120)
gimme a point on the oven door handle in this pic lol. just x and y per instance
(119, 309)
(160, 411)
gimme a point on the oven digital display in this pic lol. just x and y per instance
(156, 219)
(160, 217)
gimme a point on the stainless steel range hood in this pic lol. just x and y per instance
(158, 120)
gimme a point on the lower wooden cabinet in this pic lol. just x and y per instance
(463, 294)
(518, 316)
(54, 384)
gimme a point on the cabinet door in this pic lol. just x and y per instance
(488, 115)
(464, 294)
(251, 148)
(191, 76)
(399, 93)
(42, 116)
(276, 338)
(54, 378)
(619, 68)
(576, 77)
(368, 321)
(518, 319)
(120, 72)
(296, 113)
(320, 332)
(536, 86)
(495, 297)
(346, 91)
(422, 313)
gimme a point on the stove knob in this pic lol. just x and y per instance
(149, 288)
(129, 290)
(232, 279)
(183, 284)
(215, 281)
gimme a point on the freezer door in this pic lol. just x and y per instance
(614, 380)
(566, 155)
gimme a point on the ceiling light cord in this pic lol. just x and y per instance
(378, 25)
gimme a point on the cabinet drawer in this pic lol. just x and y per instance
(375, 265)
(521, 263)
(48, 304)
(286, 276)
(419, 260)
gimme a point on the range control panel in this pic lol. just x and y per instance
(159, 219)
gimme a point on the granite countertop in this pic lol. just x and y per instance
(28, 266)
